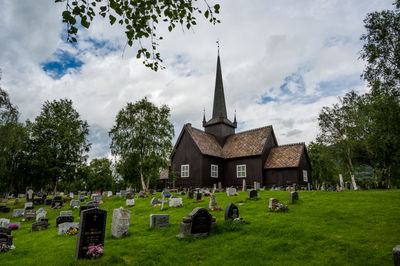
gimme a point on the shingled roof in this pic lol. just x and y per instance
(247, 143)
(164, 174)
(285, 156)
(207, 143)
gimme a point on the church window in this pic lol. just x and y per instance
(214, 170)
(184, 170)
(241, 170)
(305, 178)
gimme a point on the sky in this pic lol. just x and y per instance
(282, 61)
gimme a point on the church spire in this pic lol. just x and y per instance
(219, 108)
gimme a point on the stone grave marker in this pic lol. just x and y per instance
(29, 195)
(190, 194)
(64, 219)
(4, 223)
(92, 228)
(130, 202)
(83, 208)
(48, 201)
(120, 222)
(65, 213)
(75, 204)
(256, 185)
(38, 201)
(29, 215)
(244, 184)
(56, 203)
(166, 193)
(4, 209)
(231, 212)
(5, 230)
(219, 186)
(6, 239)
(123, 193)
(109, 194)
(28, 206)
(97, 198)
(41, 225)
(64, 227)
(197, 223)
(21, 195)
(175, 202)
(308, 186)
(159, 220)
(198, 195)
(71, 195)
(18, 213)
(293, 196)
(40, 213)
(252, 193)
(231, 191)
(67, 199)
(92, 203)
(154, 201)
(396, 255)
(81, 197)
(213, 202)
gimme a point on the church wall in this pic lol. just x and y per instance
(209, 181)
(187, 153)
(253, 171)
(304, 166)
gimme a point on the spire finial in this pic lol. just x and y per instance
(218, 45)
(234, 119)
(204, 115)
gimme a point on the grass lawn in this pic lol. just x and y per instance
(321, 228)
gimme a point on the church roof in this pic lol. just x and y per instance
(246, 143)
(285, 156)
(164, 173)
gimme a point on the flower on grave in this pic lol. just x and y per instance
(95, 251)
(13, 226)
(235, 194)
(100, 201)
(201, 200)
(71, 231)
(4, 247)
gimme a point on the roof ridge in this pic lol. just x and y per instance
(253, 129)
(292, 144)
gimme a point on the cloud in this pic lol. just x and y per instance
(281, 62)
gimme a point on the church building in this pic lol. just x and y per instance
(218, 154)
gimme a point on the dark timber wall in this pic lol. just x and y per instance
(253, 171)
(209, 181)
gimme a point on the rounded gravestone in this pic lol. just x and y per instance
(231, 212)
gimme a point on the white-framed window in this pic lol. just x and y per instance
(214, 170)
(184, 170)
(305, 178)
(241, 170)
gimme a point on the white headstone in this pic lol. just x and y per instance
(28, 204)
(65, 213)
(109, 193)
(40, 213)
(4, 222)
(18, 213)
(71, 195)
(175, 202)
(230, 191)
(74, 204)
(64, 227)
(130, 202)
(120, 222)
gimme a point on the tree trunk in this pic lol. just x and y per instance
(351, 169)
(341, 182)
(147, 182)
(55, 187)
(142, 179)
(376, 179)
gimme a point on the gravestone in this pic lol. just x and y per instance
(6, 231)
(48, 201)
(64, 219)
(244, 184)
(109, 194)
(190, 194)
(83, 208)
(256, 185)
(18, 213)
(40, 213)
(273, 204)
(120, 222)
(28, 206)
(252, 193)
(92, 203)
(65, 213)
(219, 186)
(92, 228)
(4, 223)
(142, 194)
(5, 210)
(6, 239)
(230, 191)
(123, 193)
(308, 186)
(67, 199)
(231, 212)
(21, 195)
(97, 198)
(81, 197)
(293, 196)
(16, 202)
(197, 223)
(41, 225)
(71, 195)
(166, 193)
(74, 204)
(29, 215)
(55, 203)
(29, 195)
(37, 201)
(64, 227)
(213, 203)
(159, 220)
(175, 202)
(130, 202)
(154, 201)
(198, 195)
(57, 198)
(396, 255)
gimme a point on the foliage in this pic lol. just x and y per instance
(71, 231)
(58, 142)
(139, 18)
(141, 138)
(100, 175)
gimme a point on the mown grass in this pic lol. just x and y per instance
(321, 228)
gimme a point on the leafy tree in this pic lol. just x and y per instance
(142, 136)
(140, 19)
(100, 175)
(57, 142)
(13, 137)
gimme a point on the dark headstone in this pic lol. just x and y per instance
(92, 228)
(6, 231)
(293, 196)
(56, 203)
(252, 193)
(198, 196)
(190, 194)
(29, 214)
(83, 208)
(396, 256)
(41, 225)
(197, 223)
(67, 199)
(5, 210)
(64, 219)
(231, 212)
(38, 201)
(57, 198)
(48, 202)
(6, 239)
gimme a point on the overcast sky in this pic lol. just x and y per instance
(281, 62)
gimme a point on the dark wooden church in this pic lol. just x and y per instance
(218, 154)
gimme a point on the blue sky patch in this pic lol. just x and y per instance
(63, 62)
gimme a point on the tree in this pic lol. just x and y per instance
(13, 137)
(140, 19)
(100, 176)
(58, 142)
(340, 129)
(142, 135)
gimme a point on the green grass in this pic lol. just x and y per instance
(321, 228)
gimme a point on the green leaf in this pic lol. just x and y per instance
(206, 14)
(112, 19)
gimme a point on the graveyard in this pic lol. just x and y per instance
(321, 227)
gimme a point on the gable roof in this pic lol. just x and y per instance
(207, 143)
(285, 156)
(247, 143)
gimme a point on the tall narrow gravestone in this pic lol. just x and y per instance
(92, 228)
(396, 255)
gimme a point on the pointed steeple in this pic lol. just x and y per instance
(204, 116)
(219, 108)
